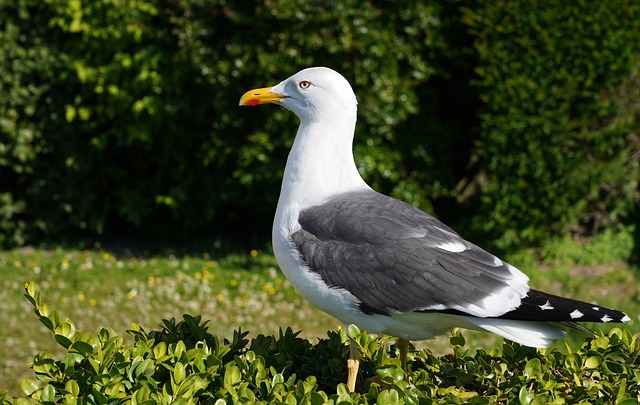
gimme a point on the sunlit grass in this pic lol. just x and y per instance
(96, 288)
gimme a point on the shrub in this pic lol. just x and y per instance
(559, 83)
(513, 120)
(125, 117)
(182, 363)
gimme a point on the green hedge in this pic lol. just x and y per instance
(559, 122)
(121, 117)
(184, 364)
(126, 116)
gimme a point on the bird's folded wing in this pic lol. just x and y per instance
(395, 258)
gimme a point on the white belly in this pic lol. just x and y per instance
(336, 302)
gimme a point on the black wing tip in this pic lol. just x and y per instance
(540, 306)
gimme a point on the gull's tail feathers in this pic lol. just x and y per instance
(532, 334)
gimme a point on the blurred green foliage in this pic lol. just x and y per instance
(559, 121)
(121, 117)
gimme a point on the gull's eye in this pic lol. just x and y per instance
(305, 84)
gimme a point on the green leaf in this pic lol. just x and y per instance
(66, 328)
(573, 362)
(29, 386)
(318, 398)
(69, 399)
(593, 362)
(277, 379)
(309, 384)
(232, 376)
(390, 373)
(72, 388)
(344, 399)
(142, 395)
(533, 368)
(146, 367)
(179, 373)
(627, 401)
(179, 350)
(457, 340)
(63, 341)
(524, 396)
(47, 322)
(48, 393)
(32, 293)
(622, 391)
(159, 350)
(71, 359)
(81, 347)
(342, 389)
(353, 332)
(388, 397)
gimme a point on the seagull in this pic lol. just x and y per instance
(379, 263)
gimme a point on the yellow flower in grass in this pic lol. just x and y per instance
(81, 297)
(268, 288)
(151, 280)
(93, 302)
(233, 283)
(254, 253)
(220, 297)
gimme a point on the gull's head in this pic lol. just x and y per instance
(317, 93)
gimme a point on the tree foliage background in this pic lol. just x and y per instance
(509, 120)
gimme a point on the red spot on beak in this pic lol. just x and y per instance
(252, 102)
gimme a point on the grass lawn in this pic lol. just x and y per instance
(96, 289)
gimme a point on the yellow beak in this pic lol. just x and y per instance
(260, 96)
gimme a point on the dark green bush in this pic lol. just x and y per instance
(122, 117)
(127, 117)
(559, 132)
(182, 363)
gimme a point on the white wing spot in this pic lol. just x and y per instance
(454, 247)
(417, 233)
(547, 305)
(576, 314)
(497, 262)
(596, 308)
(606, 319)
(625, 319)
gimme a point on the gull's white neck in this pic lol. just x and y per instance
(319, 166)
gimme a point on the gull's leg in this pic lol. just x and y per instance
(352, 365)
(403, 345)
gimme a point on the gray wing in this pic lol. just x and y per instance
(395, 258)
